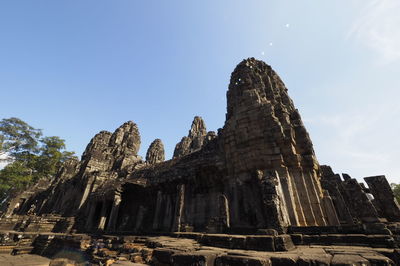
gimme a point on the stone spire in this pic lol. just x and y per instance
(264, 131)
(116, 150)
(127, 137)
(125, 145)
(155, 153)
(195, 139)
(197, 133)
(96, 155)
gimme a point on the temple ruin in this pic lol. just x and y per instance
(255, 185)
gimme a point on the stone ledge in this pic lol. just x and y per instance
(377, 241)
(248, 242)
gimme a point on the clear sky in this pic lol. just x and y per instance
(76, 67)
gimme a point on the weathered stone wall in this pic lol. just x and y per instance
(357, 204)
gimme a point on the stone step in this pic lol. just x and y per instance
(164, 256)
(22, 250)
(248, 242)
(6, 249)
(377, 241)
(368, 229)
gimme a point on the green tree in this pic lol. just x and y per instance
(396, 191)
(18, 140)
(14, 177)
(30, 156)
(51, 155)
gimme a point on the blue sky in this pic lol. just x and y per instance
(74, 68)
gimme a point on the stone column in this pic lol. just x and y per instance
(88, 189)
(89, 221)
(301, 220)
(332, 183)
(288, 195)
(272, 199)
(167, 213)
(224, 209)
(157, 211)
(180, 200)
(329, 210)
(315, 195)
(114, 212)
(103, 216)
(302, 191)
(139, 218)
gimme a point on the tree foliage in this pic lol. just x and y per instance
(14, 177)
(396, 191)
(18, 139)
(51, 156)
(30, 156)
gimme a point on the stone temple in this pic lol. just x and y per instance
(252, 193)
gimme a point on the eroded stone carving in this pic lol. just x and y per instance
(155, 153)
(194, 141)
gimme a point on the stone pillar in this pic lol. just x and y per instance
(103, 216)
(332, 183)
(298, 208)
(88, 189)
(384, 197)
(139, 218)
(180, 201)
(302, 191)
(315, 194)
(42, 205)
(329, 210)
(235, 203)
(156, 225)
(224, 209)
(89, 221)
(272, 198)
(167, 213)
(288, 195)
(114, 212)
